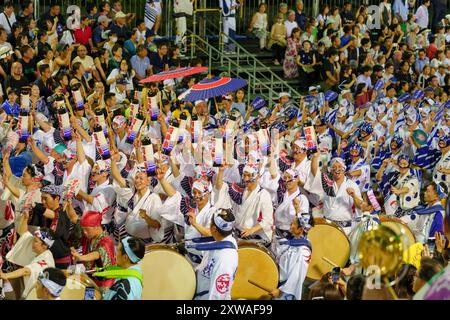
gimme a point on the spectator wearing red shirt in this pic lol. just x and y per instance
(432, 48)
(362, 95)
(83, 35)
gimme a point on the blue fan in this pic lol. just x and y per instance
(404, 97)
(418, 94)
(309, 99)
(258, 103)
(379, 85)
(330, 95)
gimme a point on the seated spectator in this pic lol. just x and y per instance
(87, 62)
(99, 37)
(26, 13)
(120, 28)
(28, 63)
(16, 80)
(115, 57)
(102, 63)
(290, 23)
(10, 106)
(278, 39)
(4, 38)
(83, 35)
(131, 44)
(8, 17)
(48, 59)
(45, 83)
(159, 60)
(123, 72)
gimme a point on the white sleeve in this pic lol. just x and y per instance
(304, 204)
(269, 184)
(170, 210)
(123, 195)
(266, 208)
(48, 168)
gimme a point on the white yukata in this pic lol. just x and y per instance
(23, 255)
(363, 180)
(293, 263)
(337, 203)
(104, 199)
(409, 200)
(250, 208)
(284, 212)
(425, 225)
(134, 224)
(216, 273)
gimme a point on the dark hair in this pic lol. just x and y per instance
(8, 4)
(296, 29)
(404, 287)
(43, 67)
(24, 49)
(161, 44)
(137, 246)
(365, 41)
(75, 67)
(109, 96)
(25, 4)
(347, 28)
(428, 268)
(139, 21)
(360, 87)
(330, 292)
(226, 215)
(90, 6)
(355, 287)
(115, 48)
(56, 276)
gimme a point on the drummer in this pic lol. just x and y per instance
(251, 204)
(197, 215)
(294, 260)
(129, 286)
(216, 273)
(339, 194)
(97, 247)
(401, 188)
(429, 220)
(50, 284)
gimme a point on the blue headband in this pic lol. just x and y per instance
(129, 252)
(440, 191)
(222, 224)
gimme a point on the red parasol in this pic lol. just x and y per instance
(175, 73)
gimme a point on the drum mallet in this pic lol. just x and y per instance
(330, 262)
(259, 286)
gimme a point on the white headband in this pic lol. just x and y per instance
(221, 223)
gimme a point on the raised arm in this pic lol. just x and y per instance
(38, 153)
(115, 172)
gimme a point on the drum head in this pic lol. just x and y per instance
(74, 289)
(400, 228)
(256, 264)
(167, 275)
(327, 241)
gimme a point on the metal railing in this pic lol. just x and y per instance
(258, 82)
(243, 17)
(259, 68)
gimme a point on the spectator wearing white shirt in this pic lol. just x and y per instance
(290, 23)
(7, 17)
(422, 14)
